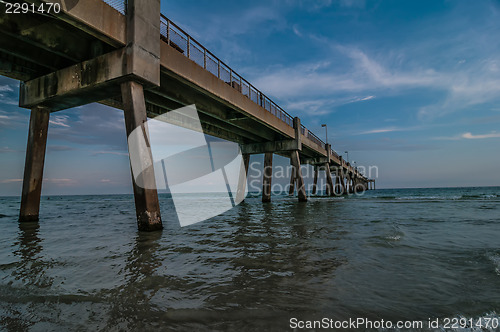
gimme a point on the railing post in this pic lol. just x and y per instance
(218, 68)
(204, 58)
(168, 32)
(188, 46)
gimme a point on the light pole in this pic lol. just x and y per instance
(347, 153)
(326, 131)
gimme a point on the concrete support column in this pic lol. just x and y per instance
(374, 188)
(329, 181)
(315, 182)
(342, 179)
(146, 199)
(301, 188)
(33, 167)
(293, 177)
(242, 181)
(338, 185)
(268, 175)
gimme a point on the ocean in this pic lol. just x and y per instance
(396, 255)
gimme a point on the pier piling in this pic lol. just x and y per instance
(301, 188)
(267, 177)
(315, 182)
(146, 197)
(33, 168)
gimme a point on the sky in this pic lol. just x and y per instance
(412, 88)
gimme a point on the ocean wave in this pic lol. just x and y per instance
(495, 259)
(439, 198)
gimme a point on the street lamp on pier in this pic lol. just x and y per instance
(326, 131)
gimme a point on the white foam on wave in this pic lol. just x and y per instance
(495, 259)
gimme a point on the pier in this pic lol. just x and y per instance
(129, 56)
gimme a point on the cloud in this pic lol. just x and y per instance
(5, 88)
(93, 124)
(11, 180)
(468, 135)
(392, 70)
(471, 136)
(116, 153)
(378, 131)
(60, 182)
(55, 148)
(6, 149)
(296, 30)
(60, 120)
(12, 120)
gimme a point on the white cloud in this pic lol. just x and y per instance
(378, 131)
(5, 88)
(60, 120)
(11, 180)
(468, 135)
(471, 136)
(60, 182)
(296, 30)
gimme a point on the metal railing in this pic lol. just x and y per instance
(177, 38)
(333, 153)
(119, 5)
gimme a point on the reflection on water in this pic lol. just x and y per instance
(85, 267)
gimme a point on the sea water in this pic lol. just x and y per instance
(405, 254)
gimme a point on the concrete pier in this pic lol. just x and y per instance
(301, 188)
(33, 167)
(267, 177)
(329, 181)
(132, 62)
(315, 181)
(291, 189)
(147, 205)
(242, 181)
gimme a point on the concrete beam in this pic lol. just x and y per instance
(33, 167)
(53, 36)
(95, 17)
(318, 161)
(80, 84)
(180, 67)
(186, 95)
(273, 147)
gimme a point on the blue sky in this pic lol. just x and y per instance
(411, 87)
